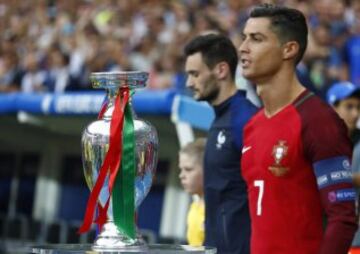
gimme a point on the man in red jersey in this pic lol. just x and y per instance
(296, 152)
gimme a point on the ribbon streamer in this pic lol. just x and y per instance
(124, 191)
(111, 165)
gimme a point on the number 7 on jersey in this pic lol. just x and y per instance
(260, 185)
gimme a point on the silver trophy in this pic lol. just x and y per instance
(95, 144)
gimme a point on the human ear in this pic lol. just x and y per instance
(221, 70)
(290, 50)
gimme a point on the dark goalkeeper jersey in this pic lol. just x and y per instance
(227, 220)
(296, 166)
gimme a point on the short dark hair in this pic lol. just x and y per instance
(214, 49)
(287, 23)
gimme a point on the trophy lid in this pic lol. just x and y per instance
(132, 79)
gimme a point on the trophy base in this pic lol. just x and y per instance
(111, 238)
(87, 248)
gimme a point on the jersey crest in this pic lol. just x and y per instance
(279, 151)
(221, 138)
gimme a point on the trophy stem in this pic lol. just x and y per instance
(110, 238)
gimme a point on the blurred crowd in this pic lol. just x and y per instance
(53, 45)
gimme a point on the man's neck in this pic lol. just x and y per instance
(226, 91)
(278, 92)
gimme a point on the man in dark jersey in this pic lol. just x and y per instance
(296, 154)
(211, 62)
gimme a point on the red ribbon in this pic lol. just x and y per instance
(111, 162)
(103, 108)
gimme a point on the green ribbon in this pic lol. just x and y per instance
(124, 190)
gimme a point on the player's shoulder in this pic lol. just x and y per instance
(242, 108)
(241, 102)
(313, 110)
(324, 134)
(320, 123)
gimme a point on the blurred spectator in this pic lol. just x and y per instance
(10, 72)
(344, 97)
(352, 52)
(320, 59)
(34, 78)
(57, 76)
(119, 35)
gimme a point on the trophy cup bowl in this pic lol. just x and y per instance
(95, 144)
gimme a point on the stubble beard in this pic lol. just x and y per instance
(211, 92)
(210, 97)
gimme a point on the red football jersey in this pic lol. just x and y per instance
(287, 188)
